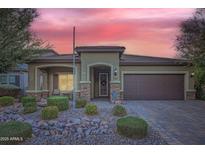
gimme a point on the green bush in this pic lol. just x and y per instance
(119, 110)
(27, 99)
(81, 103)
(14, 132)
(30, 109)
(132, 127)
(203, 97)
(60, 101)
(91, 109)
(6, 100)
(49, 112)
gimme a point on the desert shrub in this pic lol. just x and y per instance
(6, 100)
(132, 127)
(30, 107)
(27, 100)
(14, 132)
(9, 90)
(81, 103)
(60, 101)
(49, 112)
(119, 110)
(91, 109)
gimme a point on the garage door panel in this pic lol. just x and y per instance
(154, 87)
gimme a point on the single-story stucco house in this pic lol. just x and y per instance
(102, 71)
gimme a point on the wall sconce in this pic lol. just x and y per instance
(115, 71)
(192, 74)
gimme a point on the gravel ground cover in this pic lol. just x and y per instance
(74, 127)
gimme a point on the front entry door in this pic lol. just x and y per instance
(103, 84)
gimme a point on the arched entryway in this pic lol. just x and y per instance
(100, 76)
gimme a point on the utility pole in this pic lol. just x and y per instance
(74, 69)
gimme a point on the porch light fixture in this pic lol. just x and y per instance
(192, 74)
(115, 71)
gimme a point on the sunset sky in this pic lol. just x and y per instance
(142, 31)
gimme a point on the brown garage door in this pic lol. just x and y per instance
(154, 87)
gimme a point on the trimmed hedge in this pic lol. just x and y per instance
(49, 112)
(29, 104)
(27, 99)
(132, 127)
(119, 110)
(30, 107)
(91, 109)
(81, 103)
(14, 132)
(60, 101)
(6, 100)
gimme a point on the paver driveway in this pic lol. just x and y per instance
(179, 122)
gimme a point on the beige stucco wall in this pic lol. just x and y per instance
(160, 69)
(109, 59)
(92, 59)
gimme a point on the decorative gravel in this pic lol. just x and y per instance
(74, 127)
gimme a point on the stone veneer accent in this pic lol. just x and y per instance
(85, 91)
(190, 95)
(115, 87)
(45, 94)
(37, 94)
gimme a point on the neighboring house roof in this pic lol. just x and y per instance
(48, 52)
(126, 59)
(104, 49)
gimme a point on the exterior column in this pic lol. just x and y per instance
(115, 92)
(85, 90)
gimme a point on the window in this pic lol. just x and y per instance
(3, 79)
(12, 79)
(65, 82)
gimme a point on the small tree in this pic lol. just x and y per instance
(18, 44)
(199, 76)
(190, 44)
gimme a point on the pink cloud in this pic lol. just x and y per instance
(142, 31)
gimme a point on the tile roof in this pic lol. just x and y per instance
(125, 59)
(148, 60)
